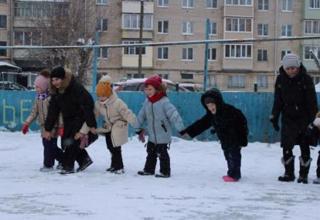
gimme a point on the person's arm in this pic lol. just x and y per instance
(311, 100)
(198, 126)
(53, 114)
(141, 118)
(173, 115)
(33, 114)
(87, 105)
(278, 102)
(127, 114)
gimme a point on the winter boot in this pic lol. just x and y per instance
(119, 171)
(67, 171)
(110, 169)
(87, 162)
(304, 170)
(59, 166)
(162, 175)
(316, 181)
(229, 179)
(145, 173)
(46, 169)
(289, 170)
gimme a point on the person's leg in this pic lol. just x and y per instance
(305, 162)
(117, 156)
(70, 154)
(235, 162)
(111, 150)
(49, 152)
(318, 166)
(164, 158)
(288, 162)
(151, 160)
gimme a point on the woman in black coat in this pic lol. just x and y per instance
(230, 125)
(295, 99)
(76, 105)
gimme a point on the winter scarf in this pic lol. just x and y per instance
(42, 96)
(156, 97)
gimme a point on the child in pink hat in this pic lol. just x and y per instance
(39, 111)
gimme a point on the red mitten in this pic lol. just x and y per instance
(141, 136)
(25, 128)
(60, 131)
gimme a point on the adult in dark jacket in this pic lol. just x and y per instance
(295, 99)
(230, 125)
(76, 105)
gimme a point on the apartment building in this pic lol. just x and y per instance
(230, 66)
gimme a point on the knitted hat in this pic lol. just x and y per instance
(154, 81)
(291, 60)
(42, 82)
(58, 72)
(104, 88)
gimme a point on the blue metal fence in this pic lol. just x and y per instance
(15, 107)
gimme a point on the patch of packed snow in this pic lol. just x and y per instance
(195, 190)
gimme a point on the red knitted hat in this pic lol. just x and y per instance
(154, 81)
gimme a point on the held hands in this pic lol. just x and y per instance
(141, 136)
(60, 131)
(274, 122)
(25, 128)
(47, 135)
(84, 140)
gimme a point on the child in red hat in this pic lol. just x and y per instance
(160, 115)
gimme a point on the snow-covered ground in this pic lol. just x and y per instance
(195, 190)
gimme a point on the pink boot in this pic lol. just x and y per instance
(229, 179)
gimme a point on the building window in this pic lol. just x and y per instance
(163, 27)
(3, 21)
(239, 2)
(27, 38)
(134, 76)
(314, 4)
(132, 21)
(286, 30)
(163, 53)
(163, 3)
(286, 5)
(41, 8)
(102, 24)
(187, 27)
(164, 75)
(212, 28)
(263, 29)
(284, 52)
(133, 50)
(312, 27)
(187, 53)
(309, 52)
(186, 75)
(238, 51)
(262, 55)
(187, 3)
(263, 5)
(262, 81)
(103, 52)
(3, 52)
(102, 2)
(238, 24)
(3, 1)
(236, 81)
(212, 4)
(212, 54)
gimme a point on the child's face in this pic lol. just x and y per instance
(39, 90)
(56, 82)
(150, 90)
(102, 99)
(212, 107)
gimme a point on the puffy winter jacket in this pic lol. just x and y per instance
(160, 117)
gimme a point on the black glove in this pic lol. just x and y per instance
(274, 122)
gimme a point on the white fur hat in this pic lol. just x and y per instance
(106, 78)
